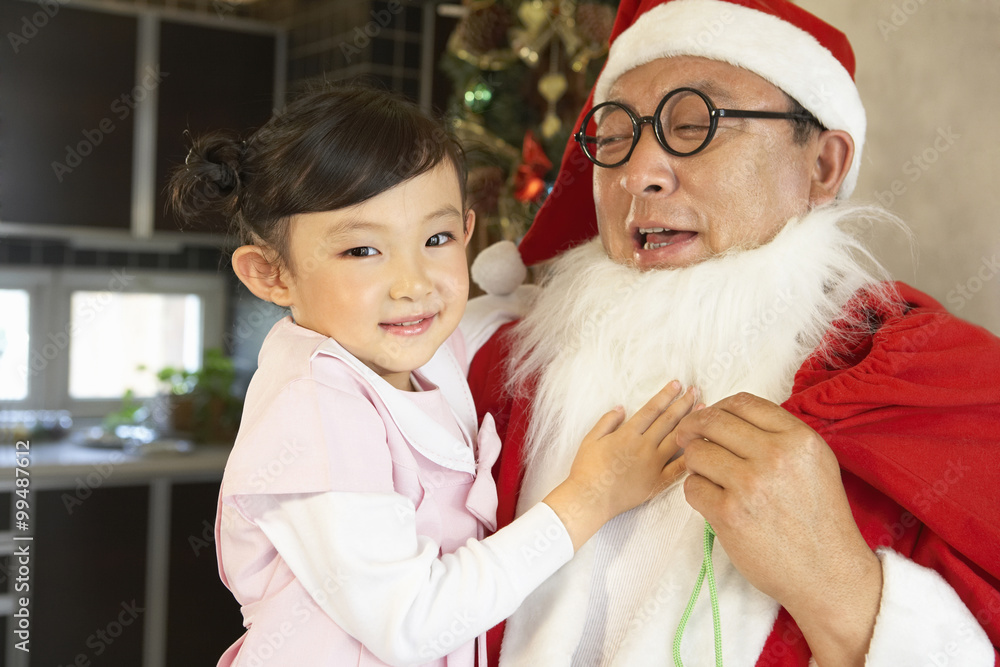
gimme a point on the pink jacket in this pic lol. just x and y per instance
(317, 420)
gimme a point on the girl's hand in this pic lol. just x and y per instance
(621, 465)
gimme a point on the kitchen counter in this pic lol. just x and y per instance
(55, 465)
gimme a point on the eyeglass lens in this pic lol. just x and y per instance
(685, 120)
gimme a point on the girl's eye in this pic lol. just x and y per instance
(364, 251)
(440, 239)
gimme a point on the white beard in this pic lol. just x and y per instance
(602, 334)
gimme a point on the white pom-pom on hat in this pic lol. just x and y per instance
(499, 269)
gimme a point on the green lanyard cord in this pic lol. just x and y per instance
(707, 571)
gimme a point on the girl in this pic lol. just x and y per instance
(354, 504)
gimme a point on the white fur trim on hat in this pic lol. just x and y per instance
(783, 54)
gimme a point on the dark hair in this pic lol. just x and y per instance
(331, 148)
(802, 128)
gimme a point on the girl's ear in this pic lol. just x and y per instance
(266, 279)
(470, 225)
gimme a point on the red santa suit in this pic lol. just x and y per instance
(905, 394)
(913, 419)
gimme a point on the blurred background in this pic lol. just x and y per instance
(126, 343)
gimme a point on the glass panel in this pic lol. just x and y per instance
(119, 341)
(14, 305)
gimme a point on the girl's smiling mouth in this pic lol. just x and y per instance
(412, 326)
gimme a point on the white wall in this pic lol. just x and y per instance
(929, 74)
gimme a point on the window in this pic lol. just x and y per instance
(14, 341)
(119, 341)
(77, 340)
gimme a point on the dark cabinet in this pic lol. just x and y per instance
(90, 601)
(203, 617)
(67, 78)
(77, 137)
(212, 79)
(89, 576)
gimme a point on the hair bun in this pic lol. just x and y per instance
(225, 176)
(206, 187)
(216, 158)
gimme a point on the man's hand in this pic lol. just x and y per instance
(770, 487)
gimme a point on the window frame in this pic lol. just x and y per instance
(50, 292)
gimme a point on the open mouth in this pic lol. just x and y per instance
(652, 238)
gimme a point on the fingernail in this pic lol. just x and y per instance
(675, 385)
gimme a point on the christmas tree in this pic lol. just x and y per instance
(522, 70)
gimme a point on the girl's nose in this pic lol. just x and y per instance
(411, 280)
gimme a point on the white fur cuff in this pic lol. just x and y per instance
(922, 621)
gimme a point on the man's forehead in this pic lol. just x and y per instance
(724, 83)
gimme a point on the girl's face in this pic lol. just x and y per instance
(387, 278)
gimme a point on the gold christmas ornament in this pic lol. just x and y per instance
(544, 21)
(534, 14)
(551, 125)
(553, 86)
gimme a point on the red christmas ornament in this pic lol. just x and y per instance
(529, 181)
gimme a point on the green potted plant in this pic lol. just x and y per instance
(202, 402)
(131, 412)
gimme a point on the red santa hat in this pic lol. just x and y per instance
(805, 57)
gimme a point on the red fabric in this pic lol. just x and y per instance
(567, 218)
(913, 420)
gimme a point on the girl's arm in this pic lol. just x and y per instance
(359, 556)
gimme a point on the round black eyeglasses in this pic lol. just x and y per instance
(684, 123)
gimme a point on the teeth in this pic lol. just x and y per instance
(654, 246)
(407, 324)
(652, 230)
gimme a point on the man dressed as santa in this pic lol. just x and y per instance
(847, 462)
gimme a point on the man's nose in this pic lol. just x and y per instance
(410, 280)
(649, 171)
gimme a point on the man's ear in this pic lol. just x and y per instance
(470, 225)
(265, 277)
(835, 153)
